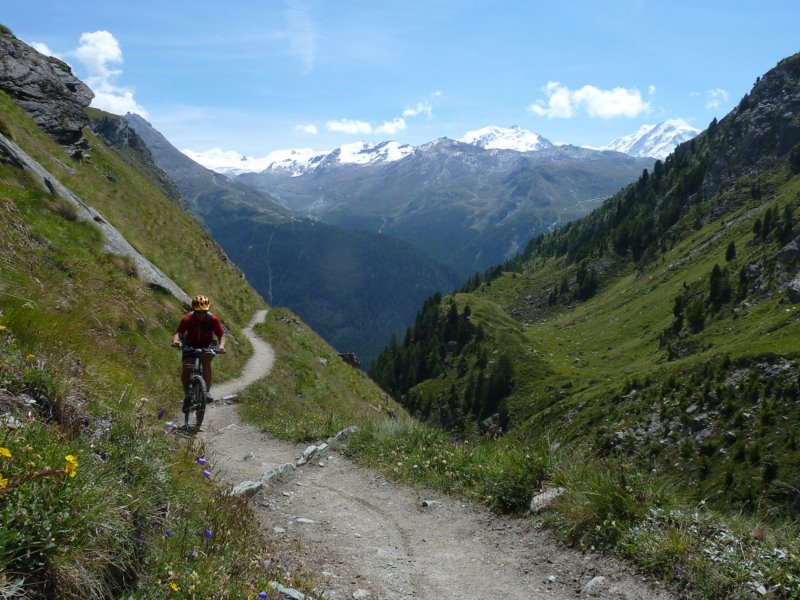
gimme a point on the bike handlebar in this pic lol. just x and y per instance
(213, 350)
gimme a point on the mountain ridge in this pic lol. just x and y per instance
(483, 203)
(650, 141)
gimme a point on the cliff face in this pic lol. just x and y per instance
(764, 127)
(46, 88)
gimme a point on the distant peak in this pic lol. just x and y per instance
(506, 138)
(654, 141)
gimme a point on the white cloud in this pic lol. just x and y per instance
(42, 48)
(118, 102)
(563, 103)
(392, 127)
(349, 126)
(389, 127)
(96, 52)
(559, 102)
(97, 49)
(302, 33)
(651, 89)
(310, 128)
(421, 108)
(715, 98)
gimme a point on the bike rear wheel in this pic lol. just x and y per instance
(197, 407)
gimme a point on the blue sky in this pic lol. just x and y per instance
(255, 77)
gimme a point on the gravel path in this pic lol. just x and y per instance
(368, 537)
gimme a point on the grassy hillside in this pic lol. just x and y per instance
(99, 495)
(644, 358)
(98, 498)
(311, 393)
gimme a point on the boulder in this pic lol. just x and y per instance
(279, 473)
(342, 436)
(311, 452)
(595, 587)
(286, 592)
(545, 497)
(790, 252)
(793, 289)
(248, 489)
(251, 488)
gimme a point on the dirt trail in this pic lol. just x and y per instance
(368, 537)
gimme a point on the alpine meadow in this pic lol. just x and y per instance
(621, 380)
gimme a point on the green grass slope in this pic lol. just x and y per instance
(98, 497)
(644, 358)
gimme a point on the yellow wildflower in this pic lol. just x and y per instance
(5, 452)
(2, 328)
(174, 586)
(72, 464)
(3, 482)
(30, 357)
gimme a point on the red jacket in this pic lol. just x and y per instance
(200, 332)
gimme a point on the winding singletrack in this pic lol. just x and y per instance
(358, 530)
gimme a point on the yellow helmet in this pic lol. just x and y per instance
(200, 303)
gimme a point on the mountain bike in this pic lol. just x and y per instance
(195, 401)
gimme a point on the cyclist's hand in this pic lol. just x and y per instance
(176, 344)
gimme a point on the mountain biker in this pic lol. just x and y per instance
(198, 329)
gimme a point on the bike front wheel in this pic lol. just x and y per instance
(197, 408)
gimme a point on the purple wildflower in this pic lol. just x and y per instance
(262, 595)
(206, 474)
(679, 570)
(160, 414)
(191, 554)
(170, 533)
(208, 533)
(201, 461)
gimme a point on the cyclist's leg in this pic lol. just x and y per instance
(187, 364)
(206, 360)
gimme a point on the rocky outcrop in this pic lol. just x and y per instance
(762, 128)
(47, 90)
(117, 133)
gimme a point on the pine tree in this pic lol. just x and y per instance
(730, 252)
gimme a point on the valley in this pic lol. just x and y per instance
(617, 400)
(334, 239)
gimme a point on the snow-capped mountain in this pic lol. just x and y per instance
(295, 162)
(504, 138)
(655, 141)
(231, 163)
(650, 141)
(361, 153)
